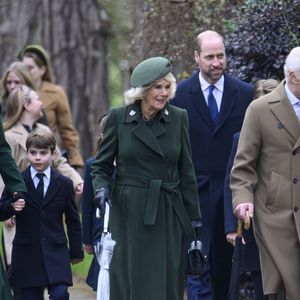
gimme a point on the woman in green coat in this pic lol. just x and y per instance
(154, 194)
(14, 182)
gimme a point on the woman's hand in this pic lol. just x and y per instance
(10, 222)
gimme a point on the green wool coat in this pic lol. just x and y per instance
(11, 176)
(154, 199)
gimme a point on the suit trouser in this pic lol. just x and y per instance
(55, 291)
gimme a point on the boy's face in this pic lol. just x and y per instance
(40, 159)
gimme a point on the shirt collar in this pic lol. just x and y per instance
(293, 99)
(204, 84)
(33, 172)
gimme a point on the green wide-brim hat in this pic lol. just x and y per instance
(149, 71)
(38, 50)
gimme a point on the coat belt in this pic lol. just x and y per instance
(154, 187)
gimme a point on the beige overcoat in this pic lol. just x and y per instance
(57, 108)
(266, 172)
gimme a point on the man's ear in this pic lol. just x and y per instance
(293, 77)
(196, 56)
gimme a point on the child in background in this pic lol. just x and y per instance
(92, 227)
(41, 252)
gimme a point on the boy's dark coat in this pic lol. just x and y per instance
(40, 254)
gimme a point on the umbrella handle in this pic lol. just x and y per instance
(106, 218)
(240, 225)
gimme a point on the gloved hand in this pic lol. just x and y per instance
(196, 256)
(102, 196)
(17, 195)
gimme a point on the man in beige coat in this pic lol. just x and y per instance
(265, 180)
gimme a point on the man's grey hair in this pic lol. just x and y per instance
(292, 63)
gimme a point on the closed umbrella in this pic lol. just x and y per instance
(234, 286)
(104, 252)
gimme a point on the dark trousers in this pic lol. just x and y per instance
(55, 291)
(198, 287)
(257, 284)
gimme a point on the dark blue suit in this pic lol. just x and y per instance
(92, 227)
(250, 255)
(211, 147)
(41, 251)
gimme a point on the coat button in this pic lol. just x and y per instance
(296, 209)
(295, 180)
(294, 152)
(280, 125)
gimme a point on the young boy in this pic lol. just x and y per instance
(41, 256)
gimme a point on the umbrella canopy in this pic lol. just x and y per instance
(234, 286)
(104, 252)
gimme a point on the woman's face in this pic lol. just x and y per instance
(157, 96)
(35, 106)
(36, 71)
(12, 81)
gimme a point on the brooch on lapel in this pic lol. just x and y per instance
(166, 112)
(132, 113)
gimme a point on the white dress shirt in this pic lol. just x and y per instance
(46, 178)
(294, 101)
(217, 92)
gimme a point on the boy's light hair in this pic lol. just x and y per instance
(41, 139)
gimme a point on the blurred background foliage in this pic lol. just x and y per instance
(258, 35)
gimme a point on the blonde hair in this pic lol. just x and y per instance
(139, 93)
(22, 71)
(264, 86)
(15, 105)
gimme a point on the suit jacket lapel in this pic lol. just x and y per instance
(228, 101)
(284, 112)
(34, 198)
(53, 188)
(198, 101)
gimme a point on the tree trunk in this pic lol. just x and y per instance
(75, 34)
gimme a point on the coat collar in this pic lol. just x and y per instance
(283, 111)
(133, 115)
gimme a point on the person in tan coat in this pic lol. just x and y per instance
(265, 181)
(55, 101)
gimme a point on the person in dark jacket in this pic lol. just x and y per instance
(154, 195)
(41, 252)
(92, 226)
(216, 105)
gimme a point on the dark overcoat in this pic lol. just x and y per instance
(40, 254)
(250, 254)
(92, 226)
(154, 199)
(210, 151)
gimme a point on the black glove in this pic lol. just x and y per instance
(16, 196)
(196, 257)
(102, 196)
